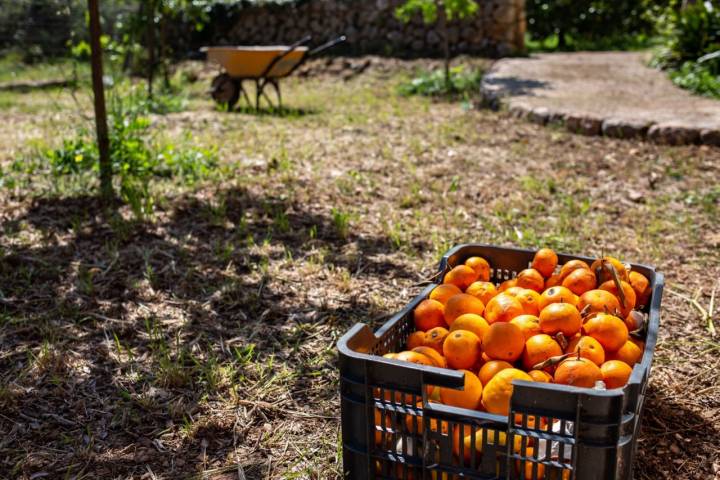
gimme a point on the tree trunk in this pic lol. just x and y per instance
(150, 45)
(446, 45)
(562, 44)
(106, 188)
(164, 51)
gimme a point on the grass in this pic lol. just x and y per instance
(201, 336)
(13, 69)
(572, 44)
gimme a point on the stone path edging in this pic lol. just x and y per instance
(532, 97)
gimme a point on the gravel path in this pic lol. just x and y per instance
(611, 93)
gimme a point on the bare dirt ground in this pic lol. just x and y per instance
(200, 341)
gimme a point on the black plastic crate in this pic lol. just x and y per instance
(390, 430)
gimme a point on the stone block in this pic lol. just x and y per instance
(539, 115)
(583, 124)
(621, 128)
(710, 136)
(670, 134)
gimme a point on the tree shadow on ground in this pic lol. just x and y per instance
(515, 86)
(284, 112)
(91, 295)
(673, 434)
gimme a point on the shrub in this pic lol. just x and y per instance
(135, 157)
(463, 81)
(691, 33)
(698, 78)
(592, 24)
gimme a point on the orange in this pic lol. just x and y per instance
(514, 291)
(589, 348)
(634, 320)
(468, 397)
(530, 301)
(601, 267)
(557, 294)
(384, 422)
(535, 470)
(415, 339)
(615, 373)
(492, 437)
(435, 338)
(482, 290)
(437, 359)
(461, 276)
(507, 284)
(529, 324)
(560, 317)
(578, 372)
(532, 279)
(540, 376)
(497, 393)
(503, 341)
(443, 292)
(609, 330)
(539, 348)
(414, 357)
(545, 261)
(488, 371)
(580, 281)
(461, 349)
(390, 355)
(460, 304)
(414, 423)
(571, 266)
(630, 297)
(481, 267)
(598, 301)
(472, 323)
(641, 285)
(429, 314)
(553, 281)
(640, 344)
(629, 353)
(503, 308)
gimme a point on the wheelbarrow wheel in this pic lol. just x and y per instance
(225, 91)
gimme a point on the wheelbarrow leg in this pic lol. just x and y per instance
(244, 93)
(259, 86)
(276, 85)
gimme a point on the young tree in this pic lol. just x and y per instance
(106, 189)
(442, 12)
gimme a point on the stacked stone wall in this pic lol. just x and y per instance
(498, 29)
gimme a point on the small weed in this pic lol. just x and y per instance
(395, 233)
(341, 221)
(281, 222)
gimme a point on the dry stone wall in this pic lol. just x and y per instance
(371, 27)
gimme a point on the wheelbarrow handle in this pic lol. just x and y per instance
(300, 42)
(327, 45)
(287, 52)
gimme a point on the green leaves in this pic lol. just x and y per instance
(454, 9)
(690, 33)
(136, 156)
(462, 81)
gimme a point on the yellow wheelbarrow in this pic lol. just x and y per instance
(263, 65)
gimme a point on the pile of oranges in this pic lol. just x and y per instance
(573, 325)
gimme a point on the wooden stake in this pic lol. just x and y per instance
(106, 188)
